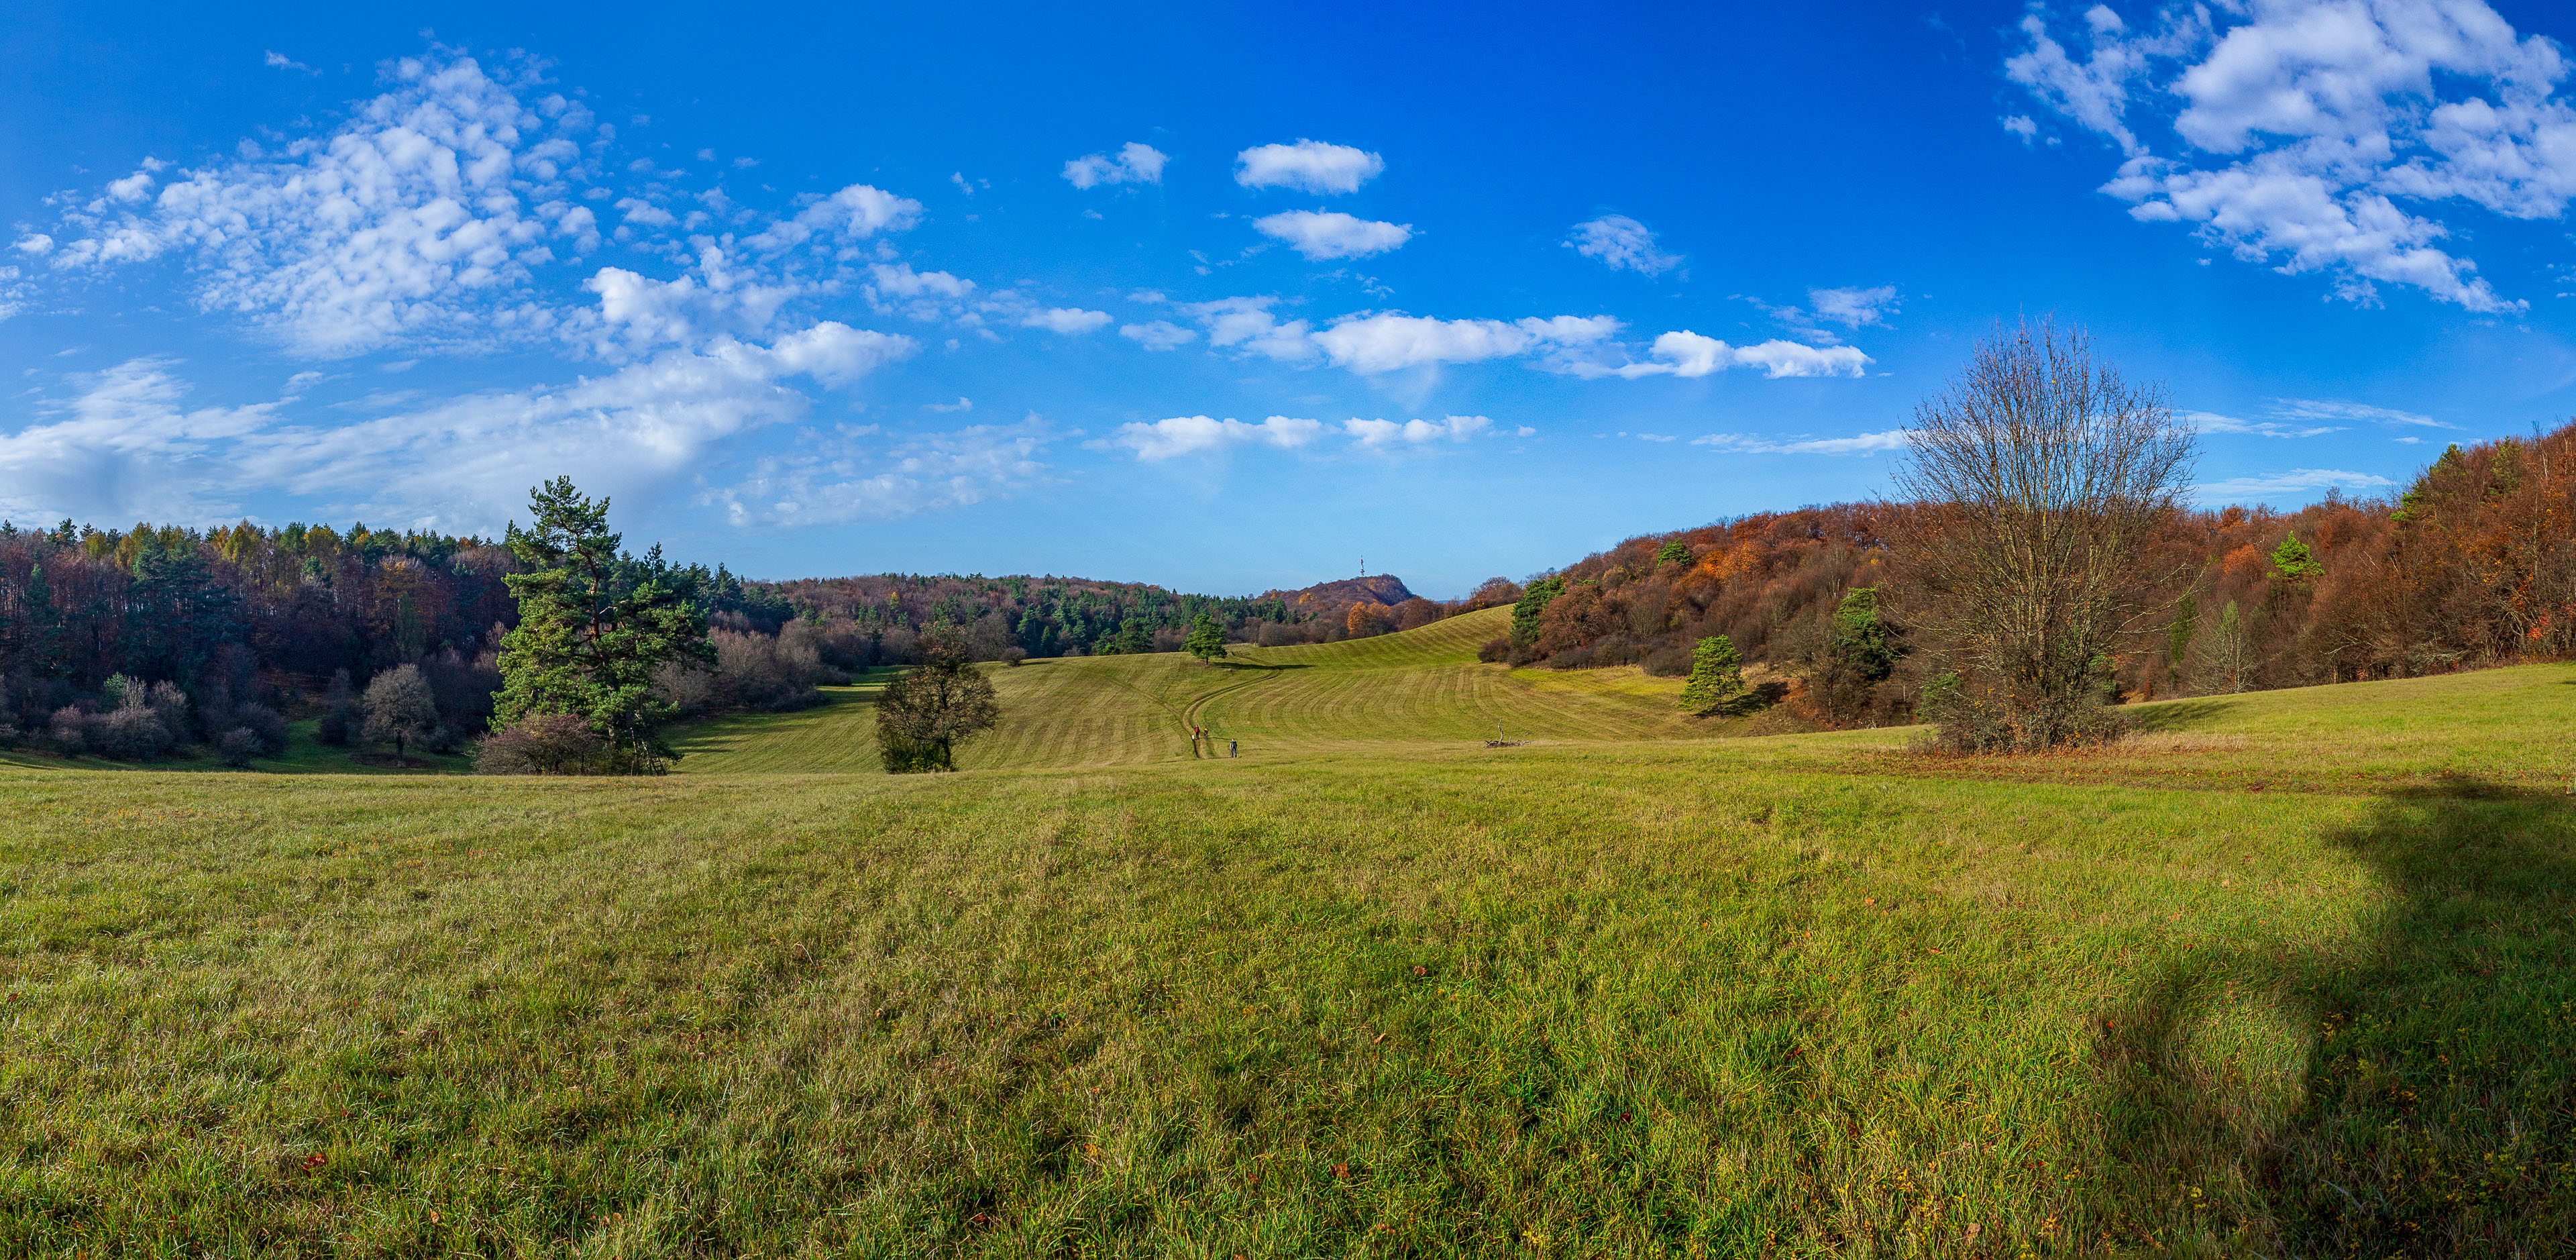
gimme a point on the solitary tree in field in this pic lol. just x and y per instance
(2036, 478)
(594, 623)
(400, 709)
(924, 715)
(1716, 677)
(1207, 639)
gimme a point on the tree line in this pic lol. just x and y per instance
(2140, 597)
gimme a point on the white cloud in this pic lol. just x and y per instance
(641, 213)
(417, 221)
(280, 61)
(1160, 334)
(1619, 241)
(1853, 308)
(33, 243)
(846, 217)
(1862, 444)
(2296, 483)
(1386, 434)
(1192, 435)
(850, 478)
(1333, 234)
(124, 447)
(1371, 344)
(1069, 320)
(2212, 422)
(2319, 409)
(1247, 324)
(1310, 165)
(2302, 123)
(963, 403)
(638, 314)
(1135, 164)
(2021, 125)
(1688, 354)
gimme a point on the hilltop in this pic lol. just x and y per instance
(1384, 589)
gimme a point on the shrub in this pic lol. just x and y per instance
(135, 733)
(264, 725)
(341, 718)
(238, 745)
(1498, 648)
(68, 732)
(543, 743)
(400, 708)
(1012, 656)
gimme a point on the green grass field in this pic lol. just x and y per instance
(2286, 974)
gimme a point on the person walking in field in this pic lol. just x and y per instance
(1231, 748)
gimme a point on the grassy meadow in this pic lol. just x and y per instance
(2285, 974)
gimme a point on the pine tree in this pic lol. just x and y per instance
(1207, 639)
(1674, 551)
(594, 623)
(1716, 677)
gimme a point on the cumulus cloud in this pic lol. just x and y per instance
(1688, 354)
(1134, 164)
(1160, 334)
(1246, 324)
(1621, 242)
(1196, 435)
(1371, 344)
(417, 220)
(1387, 434)
(841, 220)
(1333, 234)
(1069, 320)
(1861, 444)
(2022, 125)
(2296, 128)
(2299, 483)
(1308, 165)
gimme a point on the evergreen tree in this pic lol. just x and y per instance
(1674, 551)
(1207, 639)
(2293, 562)
(594, 623)
(2178, 636)
(1716, 677)
(1534, 601)
(1862, 638)
(924, 715)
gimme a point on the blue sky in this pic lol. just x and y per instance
(1227, 299)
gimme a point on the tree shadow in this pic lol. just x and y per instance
(2164, 716)
(1256, 665)
(2410, 1090)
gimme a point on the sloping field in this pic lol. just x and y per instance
(1803, 996)
(1419, 689)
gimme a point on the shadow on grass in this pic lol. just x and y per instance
(2433, 1055)
(2167, 716)
(1256, 666)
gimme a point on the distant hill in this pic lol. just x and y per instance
(1384, 589)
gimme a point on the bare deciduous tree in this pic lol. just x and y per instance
(2035, 479)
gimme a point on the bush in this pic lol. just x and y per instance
(135, 733)
(68, 732)
(1012, 656)
(1498, 648)
(238, 745)
(264, 725)
(341, 718)
(543, 743)
(1968, 718)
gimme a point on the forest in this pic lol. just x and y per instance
(237, 628)
(2472, 565)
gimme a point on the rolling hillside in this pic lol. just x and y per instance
(1420, 689)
